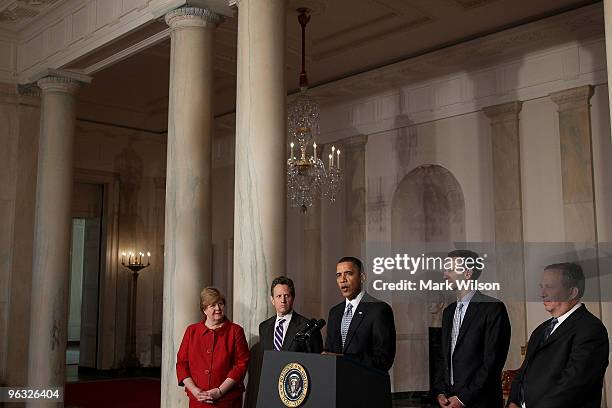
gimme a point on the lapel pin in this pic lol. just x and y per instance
(360, 312)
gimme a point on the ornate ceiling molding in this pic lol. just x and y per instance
(15, 14)
(582, 24)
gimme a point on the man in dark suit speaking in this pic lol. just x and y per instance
(361, 327)
(278, 332)
(567, 355)
(475, 341)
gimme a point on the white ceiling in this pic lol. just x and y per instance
(345, 37)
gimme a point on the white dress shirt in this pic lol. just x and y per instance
(466, 302)
(354, 302)
(565, 315)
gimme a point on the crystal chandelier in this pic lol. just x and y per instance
(307, 177)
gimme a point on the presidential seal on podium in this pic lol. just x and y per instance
(293, 385)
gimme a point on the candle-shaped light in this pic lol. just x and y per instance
(148, 258)
(330, 161)
(140, 257)
(314, 154)
(332, 156)
(291, 155)
(123, 254)
(338, 159)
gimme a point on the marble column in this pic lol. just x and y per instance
(578, 190)
(509, 257)
(52, 230)
(576, 162)
(260, 191)
(577, 182)
(353, 150)
(18, 181)
(187, 243)
(608, 29)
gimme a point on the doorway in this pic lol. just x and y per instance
(86, 248)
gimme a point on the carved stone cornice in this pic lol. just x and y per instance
(28, 90)
(503, 113)
(27, 95)
(192, 17)
(574, 98)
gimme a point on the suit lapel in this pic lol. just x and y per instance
(270, 333)
(567, 325)
(358, 316)
(534, 346)
(336, 336)
(470, 315)
(291, 331)
(447, 327)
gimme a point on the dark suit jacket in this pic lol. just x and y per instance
(266, 335)
(566, 370)
(371, 336)
(480, 353)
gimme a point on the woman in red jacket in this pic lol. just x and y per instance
(213, 358)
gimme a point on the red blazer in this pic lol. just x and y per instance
(211, 356)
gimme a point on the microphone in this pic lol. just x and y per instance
(316, 327)
(306, 329)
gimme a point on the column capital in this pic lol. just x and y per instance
(53, 83)
(504, 112)
(573, 98)
(192, 17)
(58, 80)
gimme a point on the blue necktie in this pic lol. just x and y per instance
(278, 335)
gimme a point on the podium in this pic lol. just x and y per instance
(315, 381)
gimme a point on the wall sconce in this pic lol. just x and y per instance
(134, 262)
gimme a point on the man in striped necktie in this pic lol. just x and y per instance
(475, 340)
(278, 332)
